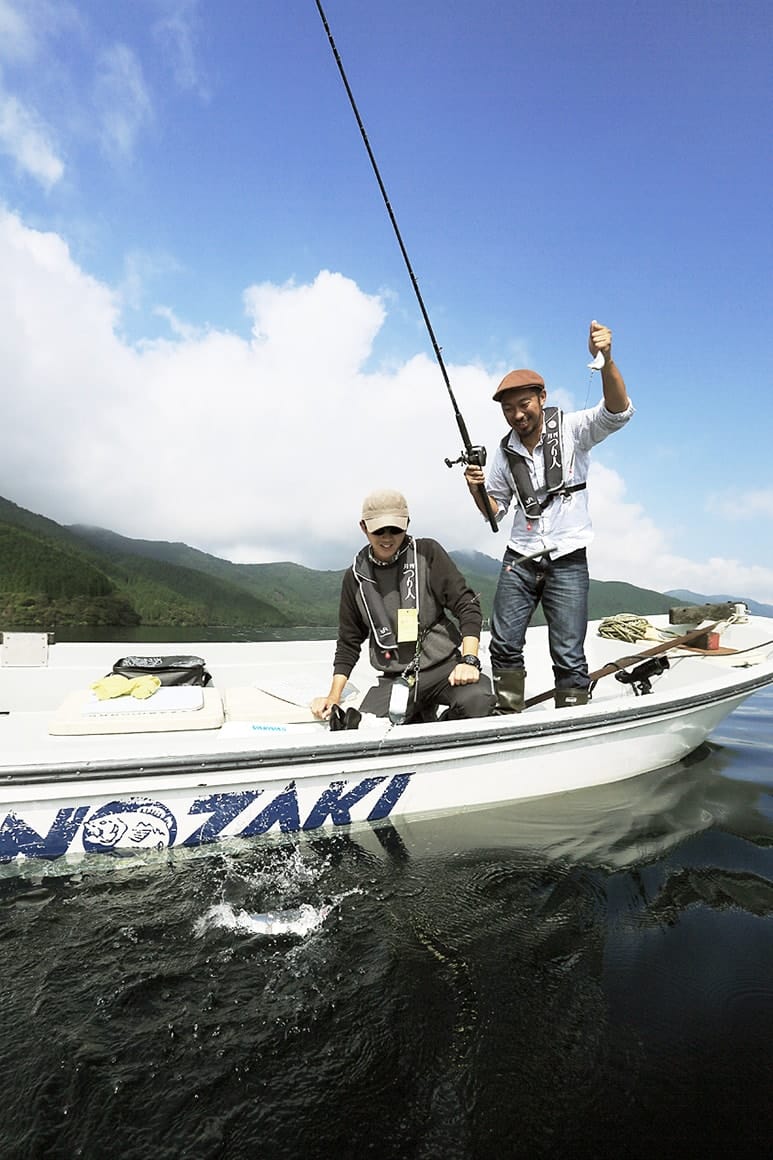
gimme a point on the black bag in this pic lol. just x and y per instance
(169, 670)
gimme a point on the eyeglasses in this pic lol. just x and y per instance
(388, 531)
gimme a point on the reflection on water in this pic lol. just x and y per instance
(586, 975)
(616, 825)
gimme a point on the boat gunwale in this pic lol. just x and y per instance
(511, 732)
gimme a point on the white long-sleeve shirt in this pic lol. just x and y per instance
(565, 523)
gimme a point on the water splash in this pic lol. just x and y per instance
(298, 921)
(294, 922)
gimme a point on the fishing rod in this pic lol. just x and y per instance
(472, 453)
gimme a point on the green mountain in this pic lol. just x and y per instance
(298, 595)
(145, 569)
(606, 597)
(44, 582)
(50, 575)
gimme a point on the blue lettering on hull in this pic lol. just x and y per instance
(140, 823)
(282, 811)
(390, 797)
(335, 804)
(16, 837)
(220, 808)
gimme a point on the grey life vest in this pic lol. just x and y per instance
(438, 636)
(555, 477)
(382, 634)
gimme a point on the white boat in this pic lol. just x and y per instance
(244, 756)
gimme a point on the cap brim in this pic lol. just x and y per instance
(386, 520)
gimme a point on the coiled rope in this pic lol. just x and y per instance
(629, 627)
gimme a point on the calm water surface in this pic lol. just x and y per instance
(588, 975)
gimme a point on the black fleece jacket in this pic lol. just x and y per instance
(442, 589)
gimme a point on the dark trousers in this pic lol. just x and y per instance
(562, 587)
(431, 692)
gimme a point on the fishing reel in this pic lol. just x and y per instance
(475, 456)
(639, 678)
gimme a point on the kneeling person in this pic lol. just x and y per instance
(397, 595)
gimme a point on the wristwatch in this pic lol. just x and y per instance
(469, 659)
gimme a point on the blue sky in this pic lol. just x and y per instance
(209, 335)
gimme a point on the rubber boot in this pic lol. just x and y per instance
(508, 689)
(568, 698)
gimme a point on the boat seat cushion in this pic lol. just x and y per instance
(169, 709)
(282, 702)
(252, 704)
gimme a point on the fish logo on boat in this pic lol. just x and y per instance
(136, 825)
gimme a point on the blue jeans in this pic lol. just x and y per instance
(562, 587)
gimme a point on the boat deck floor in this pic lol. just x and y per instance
(259, 701)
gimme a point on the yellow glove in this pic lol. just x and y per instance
(116, 685)
(144, 687)
(113, 685)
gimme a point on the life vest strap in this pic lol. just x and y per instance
(564, 491)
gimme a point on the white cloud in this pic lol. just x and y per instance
(632, 547)
(260, 447)
(177, 326)
(17, 36)
(176, 32)
(27, 25)
(28, 141)
(748, 505)
(140, 270)
(121, 99)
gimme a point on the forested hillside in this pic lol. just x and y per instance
(43, 583)
(301, 595)
(51, 575)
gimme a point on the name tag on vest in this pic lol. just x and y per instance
(407, 625)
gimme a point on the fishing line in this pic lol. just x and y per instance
(471, 454)
(587, 390)
(596, 364)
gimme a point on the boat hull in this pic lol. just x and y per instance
(185, 803)
(62, 797)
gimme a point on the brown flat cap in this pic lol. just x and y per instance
(515, 379)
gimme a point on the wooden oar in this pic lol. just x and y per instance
(624, 662)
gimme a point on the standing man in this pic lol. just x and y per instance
(542, 464)
(398, 594)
